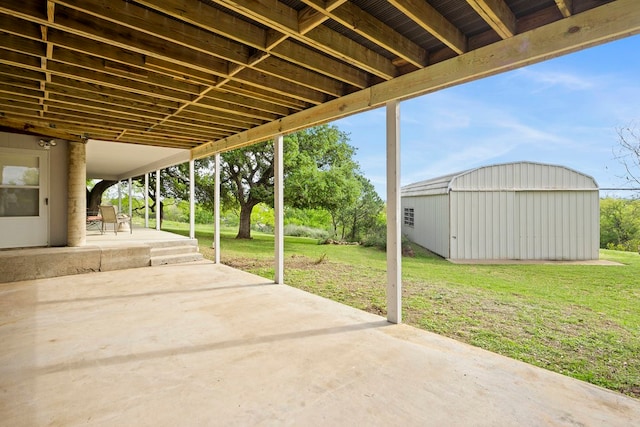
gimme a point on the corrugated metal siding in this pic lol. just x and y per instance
(431, 222)
(482, 225)
(538, 225)
(558, 225)
(522, 176)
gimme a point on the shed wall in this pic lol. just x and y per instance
(537, 225)
(431, 222)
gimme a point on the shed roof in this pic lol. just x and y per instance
(513, 176)
(213, 75)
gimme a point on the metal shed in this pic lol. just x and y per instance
(519, 211)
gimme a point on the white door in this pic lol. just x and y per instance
(24, 198)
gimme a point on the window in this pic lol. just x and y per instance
(408, 217)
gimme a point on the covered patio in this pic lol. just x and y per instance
(201, 343)
(204, 344)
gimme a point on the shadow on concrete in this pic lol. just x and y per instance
(241, 342)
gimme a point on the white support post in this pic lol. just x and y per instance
(119, 196)
(158, 208)
(192, 200)
(130, 198)
(146, 200)
(216, 210)
(278, 203)
(394, 250)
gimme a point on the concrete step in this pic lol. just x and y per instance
(173, 250)
(170, 243)
(176, 258)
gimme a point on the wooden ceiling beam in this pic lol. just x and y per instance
(283, 18)
(72, 21)
(423, 14)
(39, 128)
(93, 91)
(614, 20)
(364, 24)
(129, 108)
(566, 7)
(497, 14)
(223, 117)
(138, 19)
(214, 20)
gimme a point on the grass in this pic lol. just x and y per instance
(578, 320)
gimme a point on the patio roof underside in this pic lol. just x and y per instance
(211, 75)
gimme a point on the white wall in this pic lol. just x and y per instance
(58, 165)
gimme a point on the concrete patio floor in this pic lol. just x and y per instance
(203, 344)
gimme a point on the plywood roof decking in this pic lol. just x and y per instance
(210, 75)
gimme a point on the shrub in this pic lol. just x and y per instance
(304, 231)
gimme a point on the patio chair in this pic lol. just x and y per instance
(110, 216)
(94, 220)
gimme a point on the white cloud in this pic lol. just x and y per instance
(550, 79)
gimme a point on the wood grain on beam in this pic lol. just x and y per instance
(367, 26)
(38, 129)
(566, 7)
(609, 22)
(423, 14)
(497, 14)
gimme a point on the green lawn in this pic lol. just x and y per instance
(578, 320)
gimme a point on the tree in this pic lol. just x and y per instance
(620, 224)
(319, 173)
(248, 175)
(361, 216)
(94, 196)
(628, 152)
(323, 174)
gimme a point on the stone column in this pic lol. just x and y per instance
(77, 195)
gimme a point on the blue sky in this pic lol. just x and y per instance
(563, 111)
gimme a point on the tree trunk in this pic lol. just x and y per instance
(94, 197)
(244, 231)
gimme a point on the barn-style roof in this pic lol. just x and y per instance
(512, 176)
(211, 75)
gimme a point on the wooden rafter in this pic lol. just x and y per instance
(214, 74)
(423, 14)
(565, 6)
(497, 14)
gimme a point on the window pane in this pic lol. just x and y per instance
(19, 202)
(18, 169)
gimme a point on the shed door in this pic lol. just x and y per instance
(24, 213)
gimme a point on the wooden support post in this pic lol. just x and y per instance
(146, 200)
(158, 208)
(216, 210)
(394, 254)
(278, 204)
(119, 196)
(192, 200)
(130, 199)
